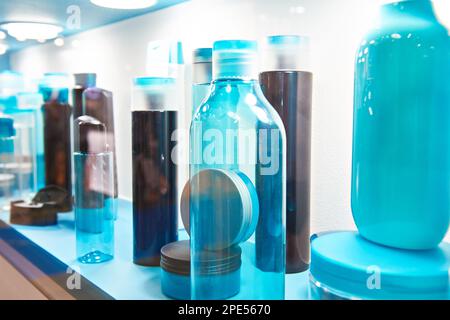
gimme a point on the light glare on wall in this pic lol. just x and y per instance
(32, 30)
(124, 4)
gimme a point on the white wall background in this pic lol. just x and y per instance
(117, 54)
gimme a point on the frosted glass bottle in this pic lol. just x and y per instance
(237, 143)
(401, 133)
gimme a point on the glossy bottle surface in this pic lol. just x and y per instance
(401, 141)
(237, 130)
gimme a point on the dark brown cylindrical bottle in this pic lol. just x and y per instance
(57, 132)
(290, 93)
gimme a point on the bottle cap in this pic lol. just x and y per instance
(229, 204)
(235, 59)
(155, 94)
(90, 136)
(55, 87)
(85, 80)
(7, 127)
(286, 52)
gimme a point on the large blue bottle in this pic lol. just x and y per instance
(401, 141)
(237, 184)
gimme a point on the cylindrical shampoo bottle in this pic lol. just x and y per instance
(154, 122)
(288, 87)
(57, 133)
(401, 129)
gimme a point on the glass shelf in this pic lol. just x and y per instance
(120, 278)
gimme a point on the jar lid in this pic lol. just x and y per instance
(175, 258)
(360, 269)
(230, 204)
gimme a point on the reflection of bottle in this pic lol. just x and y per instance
(154, 120)
(82, 82)
(57, 129)
(98, 103)
(201, 76)
(401, 131)
(7, 159)
(289, 90)
(94, 206)
(236, 132)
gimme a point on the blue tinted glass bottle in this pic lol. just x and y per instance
(237, 178)
(401, 141)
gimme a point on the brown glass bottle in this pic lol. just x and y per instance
(290, 93)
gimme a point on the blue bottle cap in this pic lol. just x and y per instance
(155, 94)
(346, 263)
(235, 59)
(202, 55)
(231, 207)
(7, 127)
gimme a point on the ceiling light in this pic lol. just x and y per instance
(125, 4)
(2, 35)
(59, 42)
(32, 30)
(3, 48)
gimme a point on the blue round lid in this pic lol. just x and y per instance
(357, 268)
(153, 81)
(224, 200)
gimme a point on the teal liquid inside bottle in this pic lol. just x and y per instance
(237, 143)
(401, 141)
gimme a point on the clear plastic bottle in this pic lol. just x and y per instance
(94, 189)
(7, 158)
(401, 130)
(237, 143)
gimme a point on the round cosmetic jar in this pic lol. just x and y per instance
(345, 266)
(219, 271)
(233, 209)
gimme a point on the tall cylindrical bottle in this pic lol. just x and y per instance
(154, 121)
(94, 205)
(401, 129)
(237, 184)
(288, 87)
(57, 132)
(98, 103)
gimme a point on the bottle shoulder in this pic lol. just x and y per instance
(244, 104)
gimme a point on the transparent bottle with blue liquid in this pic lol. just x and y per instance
(94, 191)
(7, 157)
(237, 184)
(401, 130)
